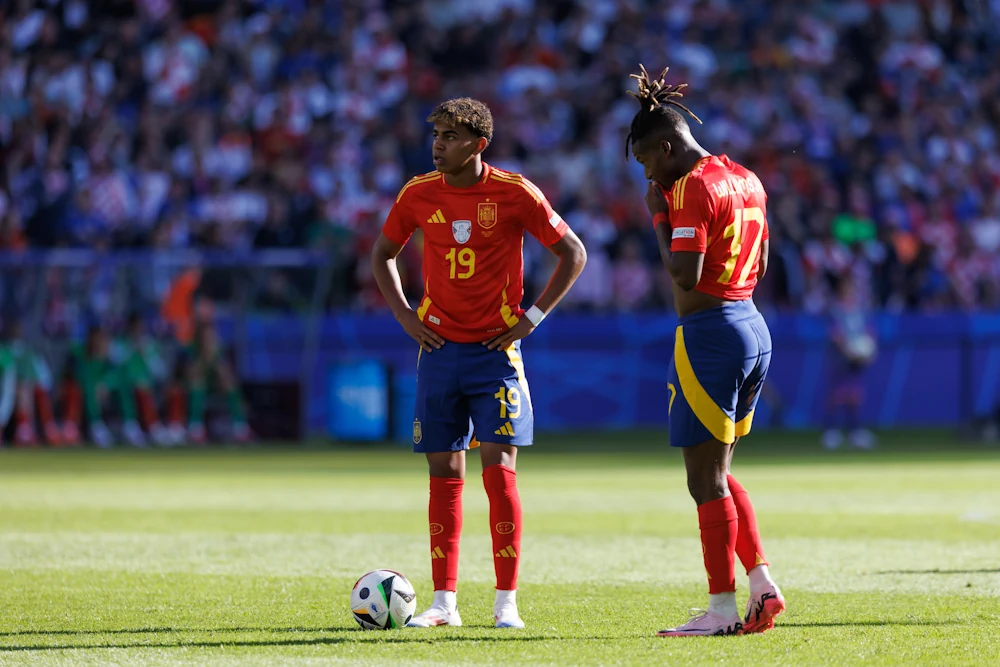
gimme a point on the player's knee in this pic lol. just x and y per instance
(492, 454)
(706, 487)
(450, 465)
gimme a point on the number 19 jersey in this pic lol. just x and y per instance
(719, 208)
(473, 266)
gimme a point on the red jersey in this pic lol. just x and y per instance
(473, 266)
(720, 208)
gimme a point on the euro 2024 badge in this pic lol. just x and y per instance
(461, 230)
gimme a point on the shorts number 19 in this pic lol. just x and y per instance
(510, 401)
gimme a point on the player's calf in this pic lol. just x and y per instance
(505, 527)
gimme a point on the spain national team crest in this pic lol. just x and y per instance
(487, 214)
(418, 433)
(461, 230)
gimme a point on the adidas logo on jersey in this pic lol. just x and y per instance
(506, 430)
(437, 218)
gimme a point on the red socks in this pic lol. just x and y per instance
(748, 546)
(445, 516)
(505, 523)
(72, 403)
(718, 522)
(444, 512)
(175, 405)
(147, 407)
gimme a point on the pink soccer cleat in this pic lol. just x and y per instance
(705, 624)
(763, 607)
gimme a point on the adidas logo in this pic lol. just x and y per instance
(437, 218)
(506, 552)
(436, 553)
(506, 429)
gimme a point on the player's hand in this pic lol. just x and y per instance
(517, 332)
(656, 201)
(418, 331)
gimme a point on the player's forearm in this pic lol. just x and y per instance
(387, 278)
(571, 262)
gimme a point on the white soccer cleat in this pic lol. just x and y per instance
(862, 438)
(159, 434)
(507, 617)
(133, 434)
(832, 439)
(176, 434)
(763, 607)
(436, 616)
(706, 624)
(101, 436)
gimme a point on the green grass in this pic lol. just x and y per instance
(247, 557)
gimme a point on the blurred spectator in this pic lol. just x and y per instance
(855, 345)
(290, 124)
(631, 276)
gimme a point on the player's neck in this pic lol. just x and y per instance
(467, 177)
(691, 155)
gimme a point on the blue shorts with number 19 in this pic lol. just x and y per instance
(721, 357)
(466, 390)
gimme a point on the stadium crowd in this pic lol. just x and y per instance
(293, 123)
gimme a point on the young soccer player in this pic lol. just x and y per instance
(710, 221)
(206, 362)
(469, 325)
(141, 368)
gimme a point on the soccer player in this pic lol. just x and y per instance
(141, 367)
(709, 216)
(206, 362)
(469, 325)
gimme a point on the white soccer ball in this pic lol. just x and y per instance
(383, 600)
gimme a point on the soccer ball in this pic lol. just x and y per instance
(383, 600)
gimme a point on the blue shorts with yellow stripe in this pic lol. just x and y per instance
(468, 394)
(721, 356)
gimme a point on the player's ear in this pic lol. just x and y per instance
(481, 144)
(665, 147)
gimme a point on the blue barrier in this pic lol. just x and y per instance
(596, 371)
(404, 393)
(358, 394)
(609, 372)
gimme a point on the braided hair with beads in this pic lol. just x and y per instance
(658, 101)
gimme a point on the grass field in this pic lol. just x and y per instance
(248, 557)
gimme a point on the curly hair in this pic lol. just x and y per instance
(655, 99)
(466, 111)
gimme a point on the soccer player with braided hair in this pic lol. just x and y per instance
(710, 218)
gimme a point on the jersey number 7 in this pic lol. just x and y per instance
(737, 231)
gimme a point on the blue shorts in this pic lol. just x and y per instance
(721, 356)
(467, 394)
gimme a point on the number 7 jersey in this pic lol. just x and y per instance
(720, 209)
(473, 265)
